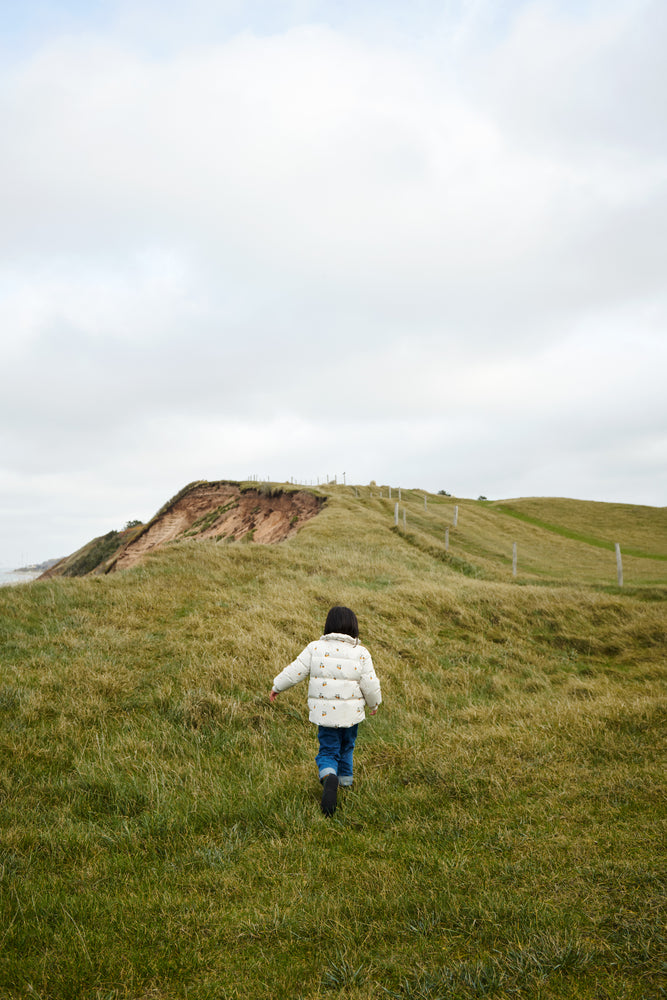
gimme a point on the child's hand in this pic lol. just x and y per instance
(373, 711)
(273, 696)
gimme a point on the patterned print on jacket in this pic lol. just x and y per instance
(342, 680)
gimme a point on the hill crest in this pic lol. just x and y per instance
(222, 510)
(557, 540)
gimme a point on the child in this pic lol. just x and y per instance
(342, 682)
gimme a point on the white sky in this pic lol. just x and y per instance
(420, 243)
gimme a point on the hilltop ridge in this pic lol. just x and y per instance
(221, 510)
(558, 540)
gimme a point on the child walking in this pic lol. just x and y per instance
(342, 683)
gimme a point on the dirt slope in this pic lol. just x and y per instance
(220, 510)
(223, 510)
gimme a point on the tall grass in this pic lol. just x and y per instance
(159, 826)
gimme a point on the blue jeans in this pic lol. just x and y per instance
(336, 749)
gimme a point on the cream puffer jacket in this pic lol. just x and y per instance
(342, 680)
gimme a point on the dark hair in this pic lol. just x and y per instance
(342, 620)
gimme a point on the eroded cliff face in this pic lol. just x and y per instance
(223, 511)
(220, 511)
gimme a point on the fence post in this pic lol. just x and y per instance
(390, 492)
(619, 565)
(404, 518)
(396, 514)
(514, 559)
(446, 539)
(456, 515)
(399, 492)
(424, 501)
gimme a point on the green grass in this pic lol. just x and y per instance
(97, 554)
(160, 834)
(631, 525)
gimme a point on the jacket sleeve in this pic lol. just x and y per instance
(296, 672)
(369, 683)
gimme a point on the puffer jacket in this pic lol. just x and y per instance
(342, 680)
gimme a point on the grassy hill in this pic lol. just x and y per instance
(159, 827)
(96, 556)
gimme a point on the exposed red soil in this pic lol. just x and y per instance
(223, 511)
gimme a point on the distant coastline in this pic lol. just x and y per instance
(8, 577)
(24, 574)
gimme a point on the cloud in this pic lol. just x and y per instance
(272, 238)
(584, 86)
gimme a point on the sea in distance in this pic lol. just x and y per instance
(12, 576)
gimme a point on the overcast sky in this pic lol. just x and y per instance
(423, 243)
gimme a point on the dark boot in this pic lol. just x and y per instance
(329, 794)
